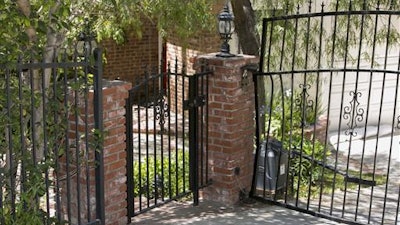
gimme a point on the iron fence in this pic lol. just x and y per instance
(48, 148)
(167, 138)
(328, 109)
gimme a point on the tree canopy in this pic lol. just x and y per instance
(48, 25)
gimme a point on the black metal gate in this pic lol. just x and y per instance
(328, 112)
(47, 145)
(167, 137)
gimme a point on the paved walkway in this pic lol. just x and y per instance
(212, 213)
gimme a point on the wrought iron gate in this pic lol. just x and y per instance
(48, 147)
(328, 112)
(167, 138)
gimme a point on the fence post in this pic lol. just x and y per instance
(231, 126)
(98, 126)
(193, 140)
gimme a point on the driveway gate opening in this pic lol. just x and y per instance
(167, 138)
(328, 112)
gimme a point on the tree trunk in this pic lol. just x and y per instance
(245, 25)
(54, 39)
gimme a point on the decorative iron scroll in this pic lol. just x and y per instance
(304, 103)
(161, 111)
(353, 113)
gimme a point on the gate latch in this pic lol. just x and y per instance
(197, 102)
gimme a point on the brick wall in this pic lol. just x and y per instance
(205, 41)
(231, 127)
(127, 61)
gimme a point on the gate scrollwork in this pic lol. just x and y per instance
(161, 111)
(353, 113)
(304, 104)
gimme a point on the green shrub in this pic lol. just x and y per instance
(291, 114)
(157, 177)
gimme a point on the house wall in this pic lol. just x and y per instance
(128, 61)
(377, 98)
(185, 51)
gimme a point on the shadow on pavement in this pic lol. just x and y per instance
(215, 213)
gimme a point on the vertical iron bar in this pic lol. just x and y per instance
(184, 79)
(67, 138)
(146, 103)
(293, 64)
(397, 87)
(129, 156)
(193, 139)
(45, 145)
(305, 105)
(98, 125)
(11, 145)
(65, 104)
(7, 142)
(207, 119)
(169, 132)
(266, 133)
(33, 121)
(368, 102)
(256, 100)
(266, 163)
(55, 148)
(328, 114)
(139, 145)
(342, 99)
(341, 108)
(176, 125)
(257, 133)
(77, 117)
(161, 102)
(320, 43)
(282, 53)
(201, 133)
(257, 105)
(154, 101)
(394, 113)
(378, 127)
(22, 130)
(87, 148)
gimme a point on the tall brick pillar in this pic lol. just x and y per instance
(114, 98)
(114, 95)
(231, 127)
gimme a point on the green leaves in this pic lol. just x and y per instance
(168, 176)
(114, 19)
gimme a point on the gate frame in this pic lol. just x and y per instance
(261, 73)
(197, 106)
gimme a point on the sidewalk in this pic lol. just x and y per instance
(212, 213)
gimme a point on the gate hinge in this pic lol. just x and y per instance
(197, 102)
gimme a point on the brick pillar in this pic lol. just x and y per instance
(231, 127)
(114, 95)
(114, 99)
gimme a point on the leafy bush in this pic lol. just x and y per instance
(290, 116)
(156, 177)
(27, 115)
